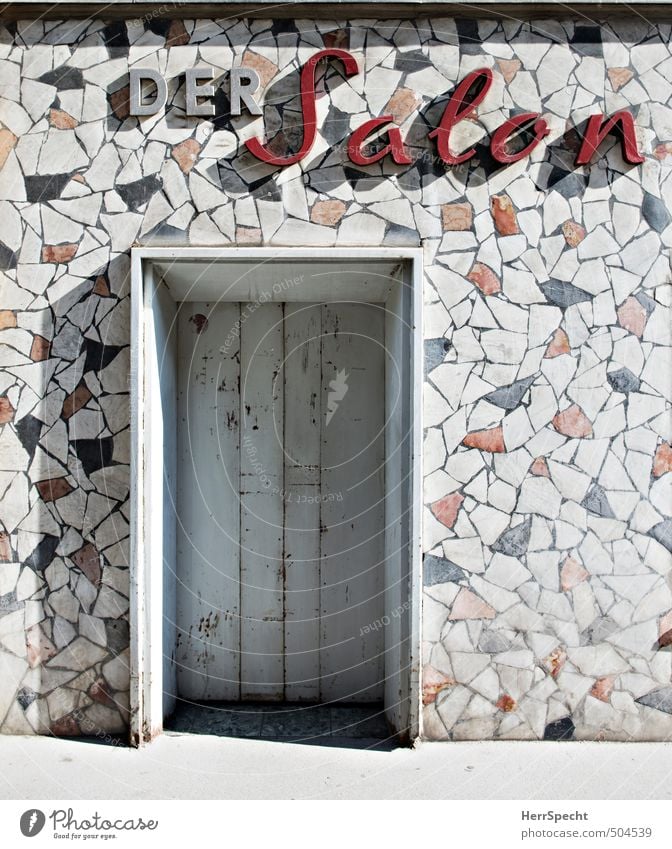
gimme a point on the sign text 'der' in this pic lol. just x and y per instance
(515, 139)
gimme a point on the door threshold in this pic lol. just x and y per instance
(335, 724)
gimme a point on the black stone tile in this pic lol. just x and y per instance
(166, 234)
(9, 603)
(320, 724)
(439, 570)
(411, 60)
(139, 192)
(94, 454)
(561, 729)
(596, 501)
(623, 380)
(397, 234)
(509, 397)
(64, 78)
(655, 212)
(648, 303)
(562, 294)
(117, 631)
(336, 126)
(514, 542)
(569, 184)
(98, 355)
(8, 258)
(662, 532)
(435, 352)
(25, 697)
(598, 631)
(46, 187)
(43, 553)
(660, 699)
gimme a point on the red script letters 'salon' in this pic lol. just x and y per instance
(262, 152)
(464, 100)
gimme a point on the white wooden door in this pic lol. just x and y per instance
(280, 502)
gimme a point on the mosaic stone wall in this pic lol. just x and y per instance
(547, 528)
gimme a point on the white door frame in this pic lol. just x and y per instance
(159, 275)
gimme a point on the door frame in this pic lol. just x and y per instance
(154, 272)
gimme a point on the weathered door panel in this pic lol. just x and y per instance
(208, 528)
(352, 502)
(281, 501)
(303, 419)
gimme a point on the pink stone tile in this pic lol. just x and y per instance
(39, 648)
(403, 103)
(186, 153)
(87, 560)
(632, 316)
(62, 120)
(504, 215)
(433, 682)
(467, 605)
(662, 462)
(7, 143)
(58, 253)
(573, 422)
(509, 68)
(505, 703)
(6, 410)
(555, 661)
(40, 348)
(263, 66)
(457, 216)
(7, 317)
(558, 345)
(487, 440)
(53, 489)
(618, 77)
(574, 233)
(177, 35)
(447, 508)
(485, 278)
(327, 212)
(572, 573)
(540, 467)
(602, 688)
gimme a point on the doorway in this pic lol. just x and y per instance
(276, 482)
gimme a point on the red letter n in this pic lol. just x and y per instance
(599, 127)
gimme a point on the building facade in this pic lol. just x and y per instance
(541, 235)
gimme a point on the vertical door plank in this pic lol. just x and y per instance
(261, 517)
(352, 502)
(208, 503)
(302, 501)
